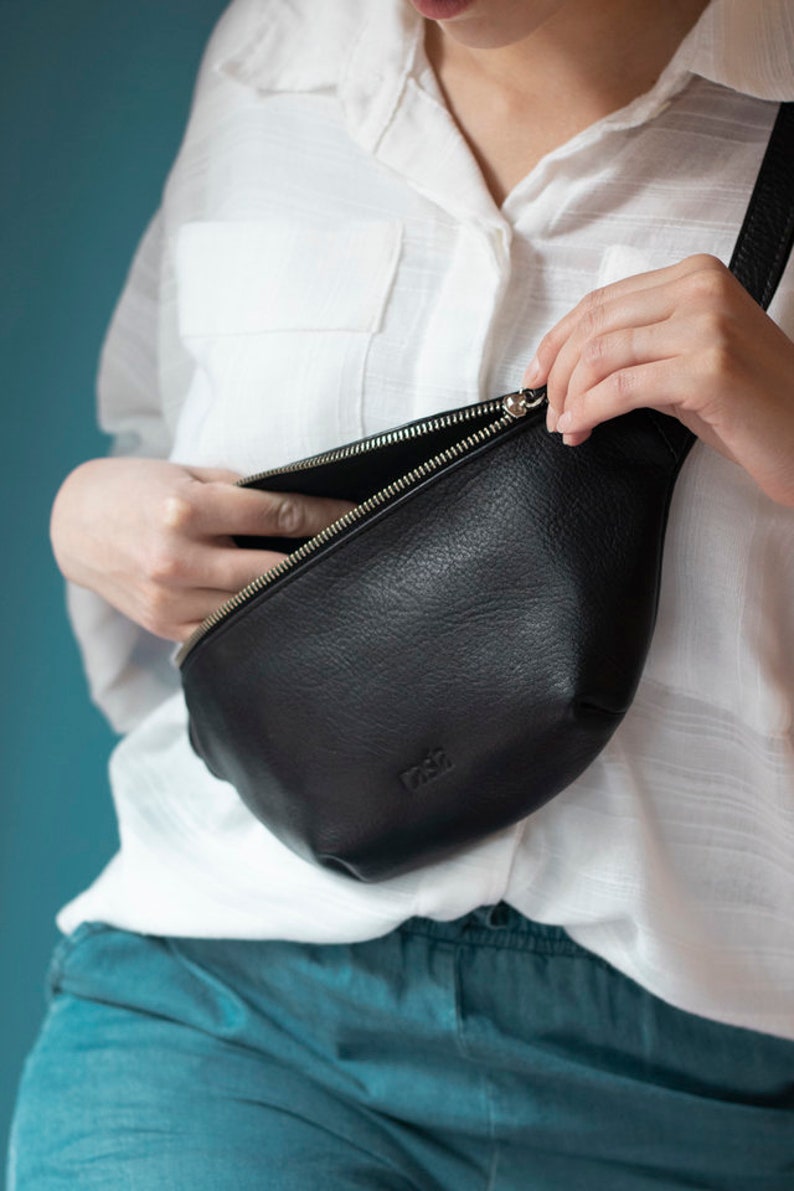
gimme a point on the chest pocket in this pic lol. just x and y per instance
(279, 316)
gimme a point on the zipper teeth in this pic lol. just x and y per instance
(388, 438)
(360, 511)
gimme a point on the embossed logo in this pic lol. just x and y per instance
(429, 768)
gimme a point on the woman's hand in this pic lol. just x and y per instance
(155, 538)
(686, 340)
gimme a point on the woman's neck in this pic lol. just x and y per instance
(516, 102)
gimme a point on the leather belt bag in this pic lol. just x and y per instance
(453, 653)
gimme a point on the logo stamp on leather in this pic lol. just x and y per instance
(429, 768)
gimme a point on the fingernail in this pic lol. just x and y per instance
(533, 373)
(551, 419)
(568, 440)
(565, 422)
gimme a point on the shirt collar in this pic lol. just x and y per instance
(371, 57)
(364, 52)
(747, 45)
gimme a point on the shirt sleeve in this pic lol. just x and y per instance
(142, 375)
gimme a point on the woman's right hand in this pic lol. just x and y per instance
(155, 539)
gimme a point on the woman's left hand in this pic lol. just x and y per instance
(687, 340)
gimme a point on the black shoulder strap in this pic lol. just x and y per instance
(767, 234)
(765, 239)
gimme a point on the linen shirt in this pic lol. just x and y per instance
(327, 262)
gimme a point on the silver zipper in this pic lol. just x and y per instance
(511, 407)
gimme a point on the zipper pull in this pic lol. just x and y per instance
(518, 404)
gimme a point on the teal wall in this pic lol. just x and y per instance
(93, 99)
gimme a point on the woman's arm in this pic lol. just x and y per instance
(687, 340)
(140, 539)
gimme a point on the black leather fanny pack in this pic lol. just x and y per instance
(453, 653)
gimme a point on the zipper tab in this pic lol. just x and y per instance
(518, 404)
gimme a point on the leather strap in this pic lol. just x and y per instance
(767, 234)
(764, 242)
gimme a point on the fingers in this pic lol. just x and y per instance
(620, 333)
(614, 352)
(628, 295)
(170, 600)
(154, 538)
(209, 475)
(232, 569)
(188, 564)
(175, 619)
(216, 508)
(653, 385)
(595, 361)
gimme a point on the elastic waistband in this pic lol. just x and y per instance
(499, 925)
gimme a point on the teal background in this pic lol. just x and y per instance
(93, 100)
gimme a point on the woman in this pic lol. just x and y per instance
(379, 212)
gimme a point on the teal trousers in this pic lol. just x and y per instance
(486, 1054)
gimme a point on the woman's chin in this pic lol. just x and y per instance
(441, 10)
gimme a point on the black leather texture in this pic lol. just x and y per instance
(767, 234)
(457, 658)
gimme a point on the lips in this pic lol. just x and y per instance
(441, 10)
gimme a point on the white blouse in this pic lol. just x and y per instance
(328, 262)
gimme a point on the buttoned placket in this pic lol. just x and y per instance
(397, 112)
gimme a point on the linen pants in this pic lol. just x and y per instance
(487, 1053)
